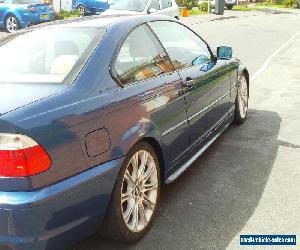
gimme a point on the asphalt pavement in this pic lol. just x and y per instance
(248, 182)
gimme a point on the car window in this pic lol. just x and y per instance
(47, 56)
(184, 47)
(166, 4)
(132, 5)
(141, 57)
(154, 5)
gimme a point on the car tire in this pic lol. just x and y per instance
(229, 7)
(242, 101)
(128, 220)
(81, 10)
(11, 24)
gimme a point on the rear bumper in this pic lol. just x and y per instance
(32, 18)
(59, 215)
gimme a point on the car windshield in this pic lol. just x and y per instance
(132, 5)
(47, 56)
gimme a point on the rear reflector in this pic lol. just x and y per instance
(20, 156)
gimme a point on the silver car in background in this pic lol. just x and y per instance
(161, 7)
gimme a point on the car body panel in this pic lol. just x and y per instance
(24, 17)
(208, 87)
(172, 11)
(72, 196)
(24, 94)
(49, 218)
(91, 6)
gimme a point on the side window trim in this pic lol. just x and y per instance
(212, 56)
(112, 69)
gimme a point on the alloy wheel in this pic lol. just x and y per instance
(139, 191)
(81, 10)
(11, 24)
(243, 97)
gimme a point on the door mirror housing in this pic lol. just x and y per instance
(224, 53)
(152, 11)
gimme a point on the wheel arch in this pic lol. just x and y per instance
(8, 14)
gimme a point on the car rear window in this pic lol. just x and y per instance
(47, 56)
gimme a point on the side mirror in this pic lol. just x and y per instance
(152, 11)
(224, 52)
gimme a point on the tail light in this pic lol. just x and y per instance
(31, 9)
(21, 156)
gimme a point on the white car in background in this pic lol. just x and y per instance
(161, 7)
(228, 3)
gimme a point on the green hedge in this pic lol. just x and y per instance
(189, 4)
(204, 6)
(66, 15)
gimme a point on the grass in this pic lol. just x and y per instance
(244, 8)
(265, 4)
(195, 12)
(66, 15)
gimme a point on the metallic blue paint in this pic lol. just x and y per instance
(91, 6)
(70, 199)
(49, 218)
(24, 17)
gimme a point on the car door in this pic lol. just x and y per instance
(3, 8)
(206, 81)
(154, 90)
(99, 5)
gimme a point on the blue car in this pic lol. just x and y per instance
(96, 115)
(18, 14)
(85, 7)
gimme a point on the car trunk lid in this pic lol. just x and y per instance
(14, 96)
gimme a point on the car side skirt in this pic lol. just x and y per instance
(218, 131)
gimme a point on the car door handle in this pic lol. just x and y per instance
(189, 82)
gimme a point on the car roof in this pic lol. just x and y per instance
(104, 21)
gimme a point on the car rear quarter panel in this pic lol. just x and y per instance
(60, 123)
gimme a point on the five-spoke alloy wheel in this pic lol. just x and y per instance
(81, 10)
(136, 195)
(11, 24)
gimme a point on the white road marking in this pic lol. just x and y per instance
(269, 59)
